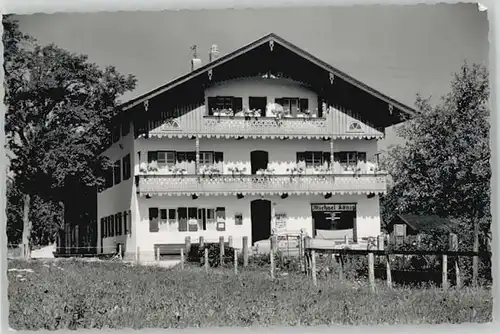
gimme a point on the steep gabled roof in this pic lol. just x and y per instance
(276, 39)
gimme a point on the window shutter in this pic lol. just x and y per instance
(153, 220)
(304, 104)
(125, 223)
(237, 104)
(130, 221)
(102, 227)
(212, 102)
(182, 213)
(152, 156)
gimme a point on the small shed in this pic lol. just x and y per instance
(404, 225)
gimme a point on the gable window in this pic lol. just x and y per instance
(126, 167)
(313, 159)
(224, 103)
(117, 172)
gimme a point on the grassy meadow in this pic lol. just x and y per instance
(72, 294)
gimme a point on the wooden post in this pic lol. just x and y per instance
(206, 260)
(221, 249)
(301, 249)
(380, 242)
(230, 241)
(187, 246)
(306, 248)
(346, 239)
(475, 259)
(138, 255)
(445, 272)
(371, 271)
(120, 250)
(201, 242)
(157, 255)
(454, 248)
(245, 251)
(271, 255)
(236, 262)
(182, 258)
(313, 267)
(388, 270)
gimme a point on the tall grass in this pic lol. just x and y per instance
(76, 294)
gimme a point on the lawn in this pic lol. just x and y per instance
(76, 294)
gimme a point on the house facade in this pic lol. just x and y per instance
(266, 138)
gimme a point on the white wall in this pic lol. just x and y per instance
(260, 87)
(282, 153)
(120, 197)
(297, 208)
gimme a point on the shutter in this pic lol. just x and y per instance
(182, 212)
(304, 104)
(130, 221)
(152, 156)
(237, 104)
(153, 220)
(103, 222)
(125, 222)
(212, 102)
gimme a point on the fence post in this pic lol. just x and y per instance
(120, 251)
(230, 241)
(236, 262)
(307, 247)
(388, 271)
(341, 269)
(157, 255)
(445, 272)
(138, 255)
(221, 250)
(454, 248)
(301, 250)
(271, 255)
(245, 251)
(187, 242)
(182, 258)
(346, 239)
(201, 242)
(313, 267)
(371, 271)
(206, 260)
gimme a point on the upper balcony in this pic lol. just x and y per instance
(210, 180)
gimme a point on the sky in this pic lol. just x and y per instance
(398, 50)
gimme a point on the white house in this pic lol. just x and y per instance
(265, 138)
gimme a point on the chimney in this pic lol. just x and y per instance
(213, 54)
(195, 61)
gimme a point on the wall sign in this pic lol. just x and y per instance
(281, 221)
(333, 207)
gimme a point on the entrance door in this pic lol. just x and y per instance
(259, 160)
(260, 211)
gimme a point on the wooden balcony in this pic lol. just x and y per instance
(316, 184)
(333, 124)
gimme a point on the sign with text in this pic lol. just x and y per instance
(280, 219)
(333, 207)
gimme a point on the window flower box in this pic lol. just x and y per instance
(237, 170)
(295, 170)
(268, 171)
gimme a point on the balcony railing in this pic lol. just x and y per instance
(156, 184)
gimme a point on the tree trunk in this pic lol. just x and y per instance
(26, 228)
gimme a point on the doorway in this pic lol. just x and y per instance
(258, 160)
(260, 213)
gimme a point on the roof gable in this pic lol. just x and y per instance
(273, 41)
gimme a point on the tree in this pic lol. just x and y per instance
(443, 168)
(57, 123)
